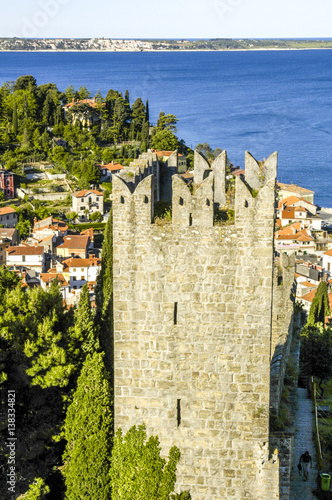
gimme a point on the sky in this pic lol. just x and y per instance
(167, 18)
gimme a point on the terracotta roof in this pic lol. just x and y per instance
(7, 210)
(88, 232)
(293, 188)
(49, 277)
(7, 232)
(164, 153)
(188, 175)
(291, 200)
(85, 192)
(56, 225)
(91, 103)
(301, 235)
(309, 297)
(308, 284)
(25, 250)
(80, 242)
(292, 229)
(76, 262)
(329, 252)
(112, 167)
(238, 171)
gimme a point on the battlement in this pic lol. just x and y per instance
(198, 204)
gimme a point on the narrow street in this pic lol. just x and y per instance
(304, 440)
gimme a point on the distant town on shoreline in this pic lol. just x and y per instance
(146, 45)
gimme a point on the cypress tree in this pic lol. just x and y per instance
(147, 115)
(137, 469)
(320, 307)
(15, 126)
(127, 96)
(84, 337)
(145, 132)
(87, 430)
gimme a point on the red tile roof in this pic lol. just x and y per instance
(77, 242)
(25, 250)
(76, 262)
(85, 192)
(92, 102)
(112, 167)
(7, 210)
(329, 252)
(49, 277)
(293, 188)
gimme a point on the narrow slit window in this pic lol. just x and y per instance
(181, 201)
(146, 199)
(175, 313)
(207, 202)
(122, 199)
(190, 219)
(178, 411)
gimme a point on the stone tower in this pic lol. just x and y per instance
(193, 326)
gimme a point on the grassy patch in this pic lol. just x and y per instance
(224, 217)
(162, 213)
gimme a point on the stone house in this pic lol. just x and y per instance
(87, 199)
(8, 237)
(85, 111)
(31, 257)
(74, 246)
(8, 217)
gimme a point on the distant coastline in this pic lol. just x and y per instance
(146, 45)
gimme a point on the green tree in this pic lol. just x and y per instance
(38, 490)
(95, 216)
(316, 353)
(84, 335)
(166, 122)
(164, 140)
(8, 280)
(88, 434)
(320, 307)
(137, 469)
(70, 93)
(15, 125)
(138, 113)
(84, 93)
(26, 82)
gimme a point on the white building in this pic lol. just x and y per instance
(82, 271)
(327, 262)
(26, 256)
(87, 199)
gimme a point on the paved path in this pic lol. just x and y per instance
(304, 440)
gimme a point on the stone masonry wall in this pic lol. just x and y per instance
(192, 332)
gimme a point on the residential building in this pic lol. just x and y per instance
(26, 257)
(83, 271)
(290, 214)
(286, 190)
(88, 200)
(8, 237)
(327, 262)
(292, 239)
(74, 246)
(7, 183)
(8, 217)
(85, 111)
(165, 155)
(109, 169)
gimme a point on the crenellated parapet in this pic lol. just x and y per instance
(258, 173)
(202, 169)
(192, 209)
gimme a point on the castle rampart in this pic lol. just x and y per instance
(193, 328)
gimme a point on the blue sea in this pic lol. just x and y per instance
(258, 101)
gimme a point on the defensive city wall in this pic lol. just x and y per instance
(194, 326)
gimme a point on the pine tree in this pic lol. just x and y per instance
(88, 434)
(137, 469)
(320, 307)
(145, 132)
(127, 96)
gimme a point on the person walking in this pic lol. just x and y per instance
(305, 460)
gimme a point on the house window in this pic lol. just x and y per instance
(82, 200)
(82, 208)
(74, 278)
(23, 258)
(74, 270)
(97, 198)
(82, 268)
(82, 278)
(7, 217)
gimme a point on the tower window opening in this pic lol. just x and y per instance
(181, 201)
(175, 313)
(178, 412)
(122, 200)
(246, 204)
(190, 219)
(208, 203)
(146, 199)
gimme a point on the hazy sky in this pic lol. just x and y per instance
(166, 18)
